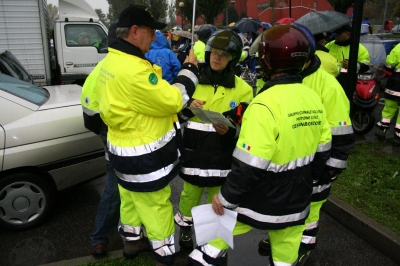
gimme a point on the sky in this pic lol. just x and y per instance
(102, 4)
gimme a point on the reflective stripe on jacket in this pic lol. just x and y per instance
(285, 139)
(139, 108)
(208, 155)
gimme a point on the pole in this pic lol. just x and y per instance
(290, 8)
(193, 22)
(384, 17)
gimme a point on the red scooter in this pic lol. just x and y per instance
(365, 98)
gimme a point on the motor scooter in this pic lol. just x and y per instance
(365, 98)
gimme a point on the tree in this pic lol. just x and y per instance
(233, 15)
(341, 5)
(102, 17)
(158, 8)
(187, 10)
(396, 11)
(52, 12)
(243, 15)
(171, 18)
(116, 6)
(210, 9)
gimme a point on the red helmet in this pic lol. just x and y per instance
(283, 49)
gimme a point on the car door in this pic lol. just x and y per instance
(85, 46)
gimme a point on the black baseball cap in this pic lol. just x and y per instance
(344, 28)
(140, 16)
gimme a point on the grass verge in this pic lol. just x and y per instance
(371, 183)
(143, 259)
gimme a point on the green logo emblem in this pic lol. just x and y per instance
(153, 79)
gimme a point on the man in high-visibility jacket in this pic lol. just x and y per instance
(139, 109)
(340, 49)
(283, 145)
(337, 109)
(392, 97)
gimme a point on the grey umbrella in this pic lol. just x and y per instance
(184, 34)
(248, 25)
(323, 21)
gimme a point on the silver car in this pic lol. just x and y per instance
(44, 148)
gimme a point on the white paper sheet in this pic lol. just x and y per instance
(210, 116)
(208, 225)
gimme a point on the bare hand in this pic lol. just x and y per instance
(245, 40)
(197, 103)
(345, 63)
(221, 129)
(191, 58)
(217, 206)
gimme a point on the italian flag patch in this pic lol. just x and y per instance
(342, 123)
(246, 147)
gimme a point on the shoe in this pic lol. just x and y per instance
(99, 250)
(396, 139)
(181, 258)
(380, 133)
(303, 256)
(264, 245)
(185, 238)
(134, 248)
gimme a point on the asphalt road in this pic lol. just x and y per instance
(66, 235)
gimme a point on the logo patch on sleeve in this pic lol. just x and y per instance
(232, 104)
(246, 147)
(153, 79)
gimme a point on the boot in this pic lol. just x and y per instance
(185, 238)
(380, 133)
(396, 140)
(303, 256)
(265, 245)
(134, 248)
(181, 258)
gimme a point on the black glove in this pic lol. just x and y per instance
(237, 113)
(329, 175)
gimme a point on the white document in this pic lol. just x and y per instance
(210, 116)
(208, 225)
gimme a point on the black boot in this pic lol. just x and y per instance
(185, 238)
(380, 133)
(396, 140)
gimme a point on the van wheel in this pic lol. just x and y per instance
(25, 201)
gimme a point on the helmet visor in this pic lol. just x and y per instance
(221, 53)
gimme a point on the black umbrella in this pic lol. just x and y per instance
(248, 25)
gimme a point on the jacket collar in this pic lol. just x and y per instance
(286, 79)
(343, 43)
(321, 48)
(211, 77)
(128, 48)
(314, 65)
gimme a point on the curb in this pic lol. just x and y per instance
(368, 229)
(85, 260)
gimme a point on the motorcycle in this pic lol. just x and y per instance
(365, 98)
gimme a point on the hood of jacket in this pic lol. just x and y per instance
(160, 43)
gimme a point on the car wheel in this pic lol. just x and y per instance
(25, 201)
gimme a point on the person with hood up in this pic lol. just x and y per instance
(200, 46)
(161, 55)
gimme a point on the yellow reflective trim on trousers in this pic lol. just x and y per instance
(341, 130)
(142, 149)
(200, 126)
(143, 178)
(274, 219)
(159, 246)
(265, 164)
(213, 252)
(391, 92)
(137, 230)
(312, 225)
(320, 188)
(89, 112)
(182, 220)
(205, 172)
(308, 239)
(336, 163)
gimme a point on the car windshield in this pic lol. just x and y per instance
(24, 90)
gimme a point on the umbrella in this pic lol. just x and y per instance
(323, 21)
(184, 34)
(231, 24)
(285, 20)
(266, 25)
(248, 25)
(206, 26)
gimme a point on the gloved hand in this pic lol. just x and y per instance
(237, 113)
(329, 175)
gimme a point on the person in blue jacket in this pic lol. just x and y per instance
(161, 55)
